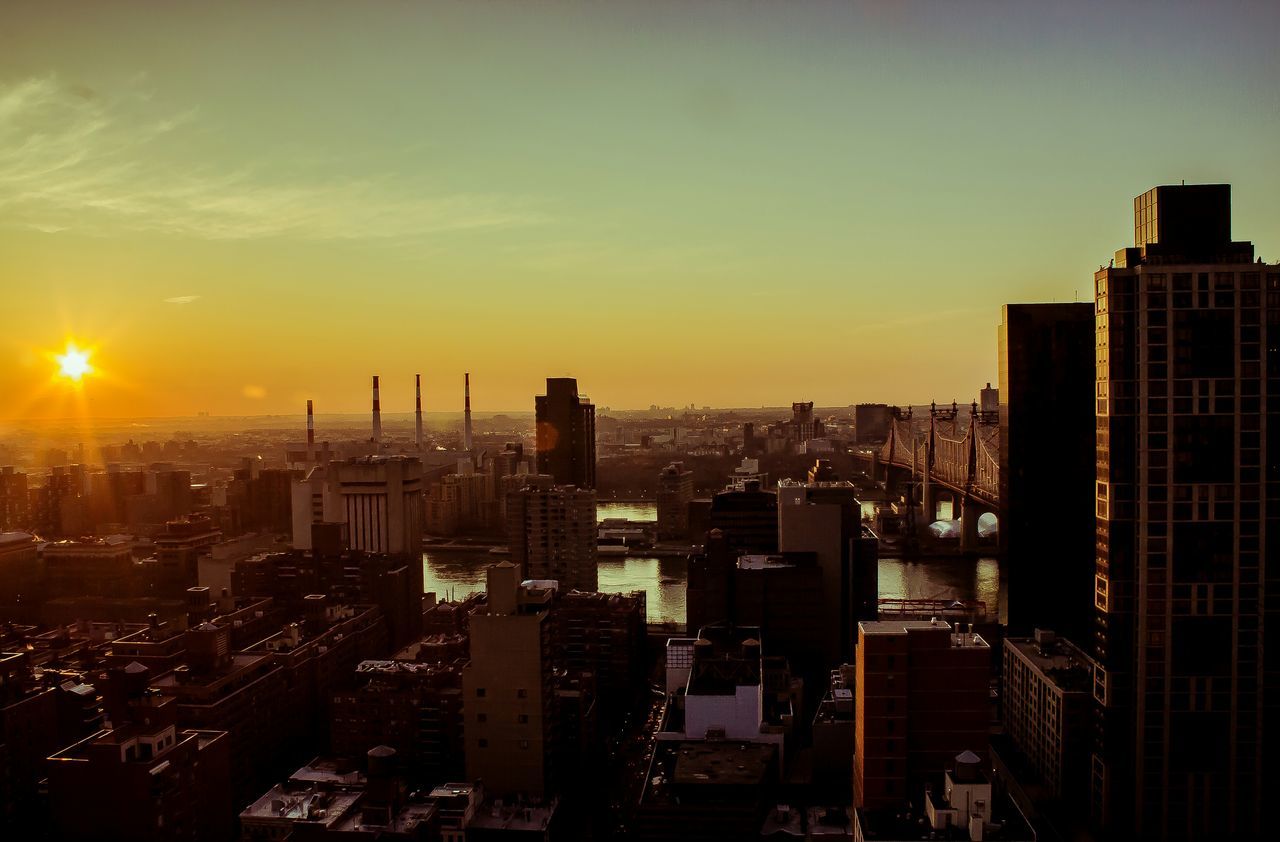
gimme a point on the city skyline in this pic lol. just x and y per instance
(407, 175)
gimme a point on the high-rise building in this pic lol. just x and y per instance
(1046, 466)
(922, 697)
(566, 434)
(675, 492)
(508, 692)
(825, 518)
(380, 500)
(1188, 504)
(551, 530)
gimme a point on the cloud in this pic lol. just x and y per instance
(76, 158)
(182, 299)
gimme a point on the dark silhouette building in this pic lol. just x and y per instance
(1188, 499)
(748, 518)
(566, 434)
(1046, 466)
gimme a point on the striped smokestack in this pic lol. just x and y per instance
(466, 412)
(377, 412)
(417, 385)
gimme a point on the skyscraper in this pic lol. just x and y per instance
(1046, 467)
(566, 435)
(1188, 377)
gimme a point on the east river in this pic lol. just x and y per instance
(456, 574)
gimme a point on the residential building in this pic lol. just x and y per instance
(551, 530)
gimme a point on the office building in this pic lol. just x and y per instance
(1046, 466)
(824, 517)
(566, 434)
(1188, 507)
(551, 530)
(380, 500)
(508, 691)
(922, 697)
(1047, 700)
(675, 493)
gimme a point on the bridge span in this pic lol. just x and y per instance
(947, 455)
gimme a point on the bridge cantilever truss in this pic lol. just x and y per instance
(965, 460)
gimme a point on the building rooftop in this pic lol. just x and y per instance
(959, 639)
(1060, 661)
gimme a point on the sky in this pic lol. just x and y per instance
(238, 205)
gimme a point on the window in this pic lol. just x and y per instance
(523, 719)
(479, 692)
(522, 693)
(482, 717)
(484, 743)
(524, 744)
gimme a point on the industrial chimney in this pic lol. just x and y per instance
(377, 412)
(417, 383)
(466, 412)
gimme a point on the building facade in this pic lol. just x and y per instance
(1188, 497)
(551, 530)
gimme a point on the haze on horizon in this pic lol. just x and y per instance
(239, 206)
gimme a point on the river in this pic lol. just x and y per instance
(663, 579)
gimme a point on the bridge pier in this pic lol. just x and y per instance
(970, 511)
(929, 500)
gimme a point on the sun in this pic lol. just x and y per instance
(73, 363)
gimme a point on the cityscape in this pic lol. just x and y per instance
(731, 545)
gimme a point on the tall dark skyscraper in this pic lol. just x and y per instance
(566, 435)
(1188, 501)
(1046, 467)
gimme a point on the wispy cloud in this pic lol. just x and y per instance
(182, 299)
(74, 158)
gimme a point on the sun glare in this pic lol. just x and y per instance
(73, 364)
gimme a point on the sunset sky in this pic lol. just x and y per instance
(238, 206)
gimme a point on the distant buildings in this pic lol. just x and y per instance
(675, 493)
(1187, 494)
(922, 697)
(551, 530)
(1046, 406)
(566, 434)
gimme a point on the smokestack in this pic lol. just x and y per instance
(311, 433)
(377, 412)
(466, 412)
(417, 383)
